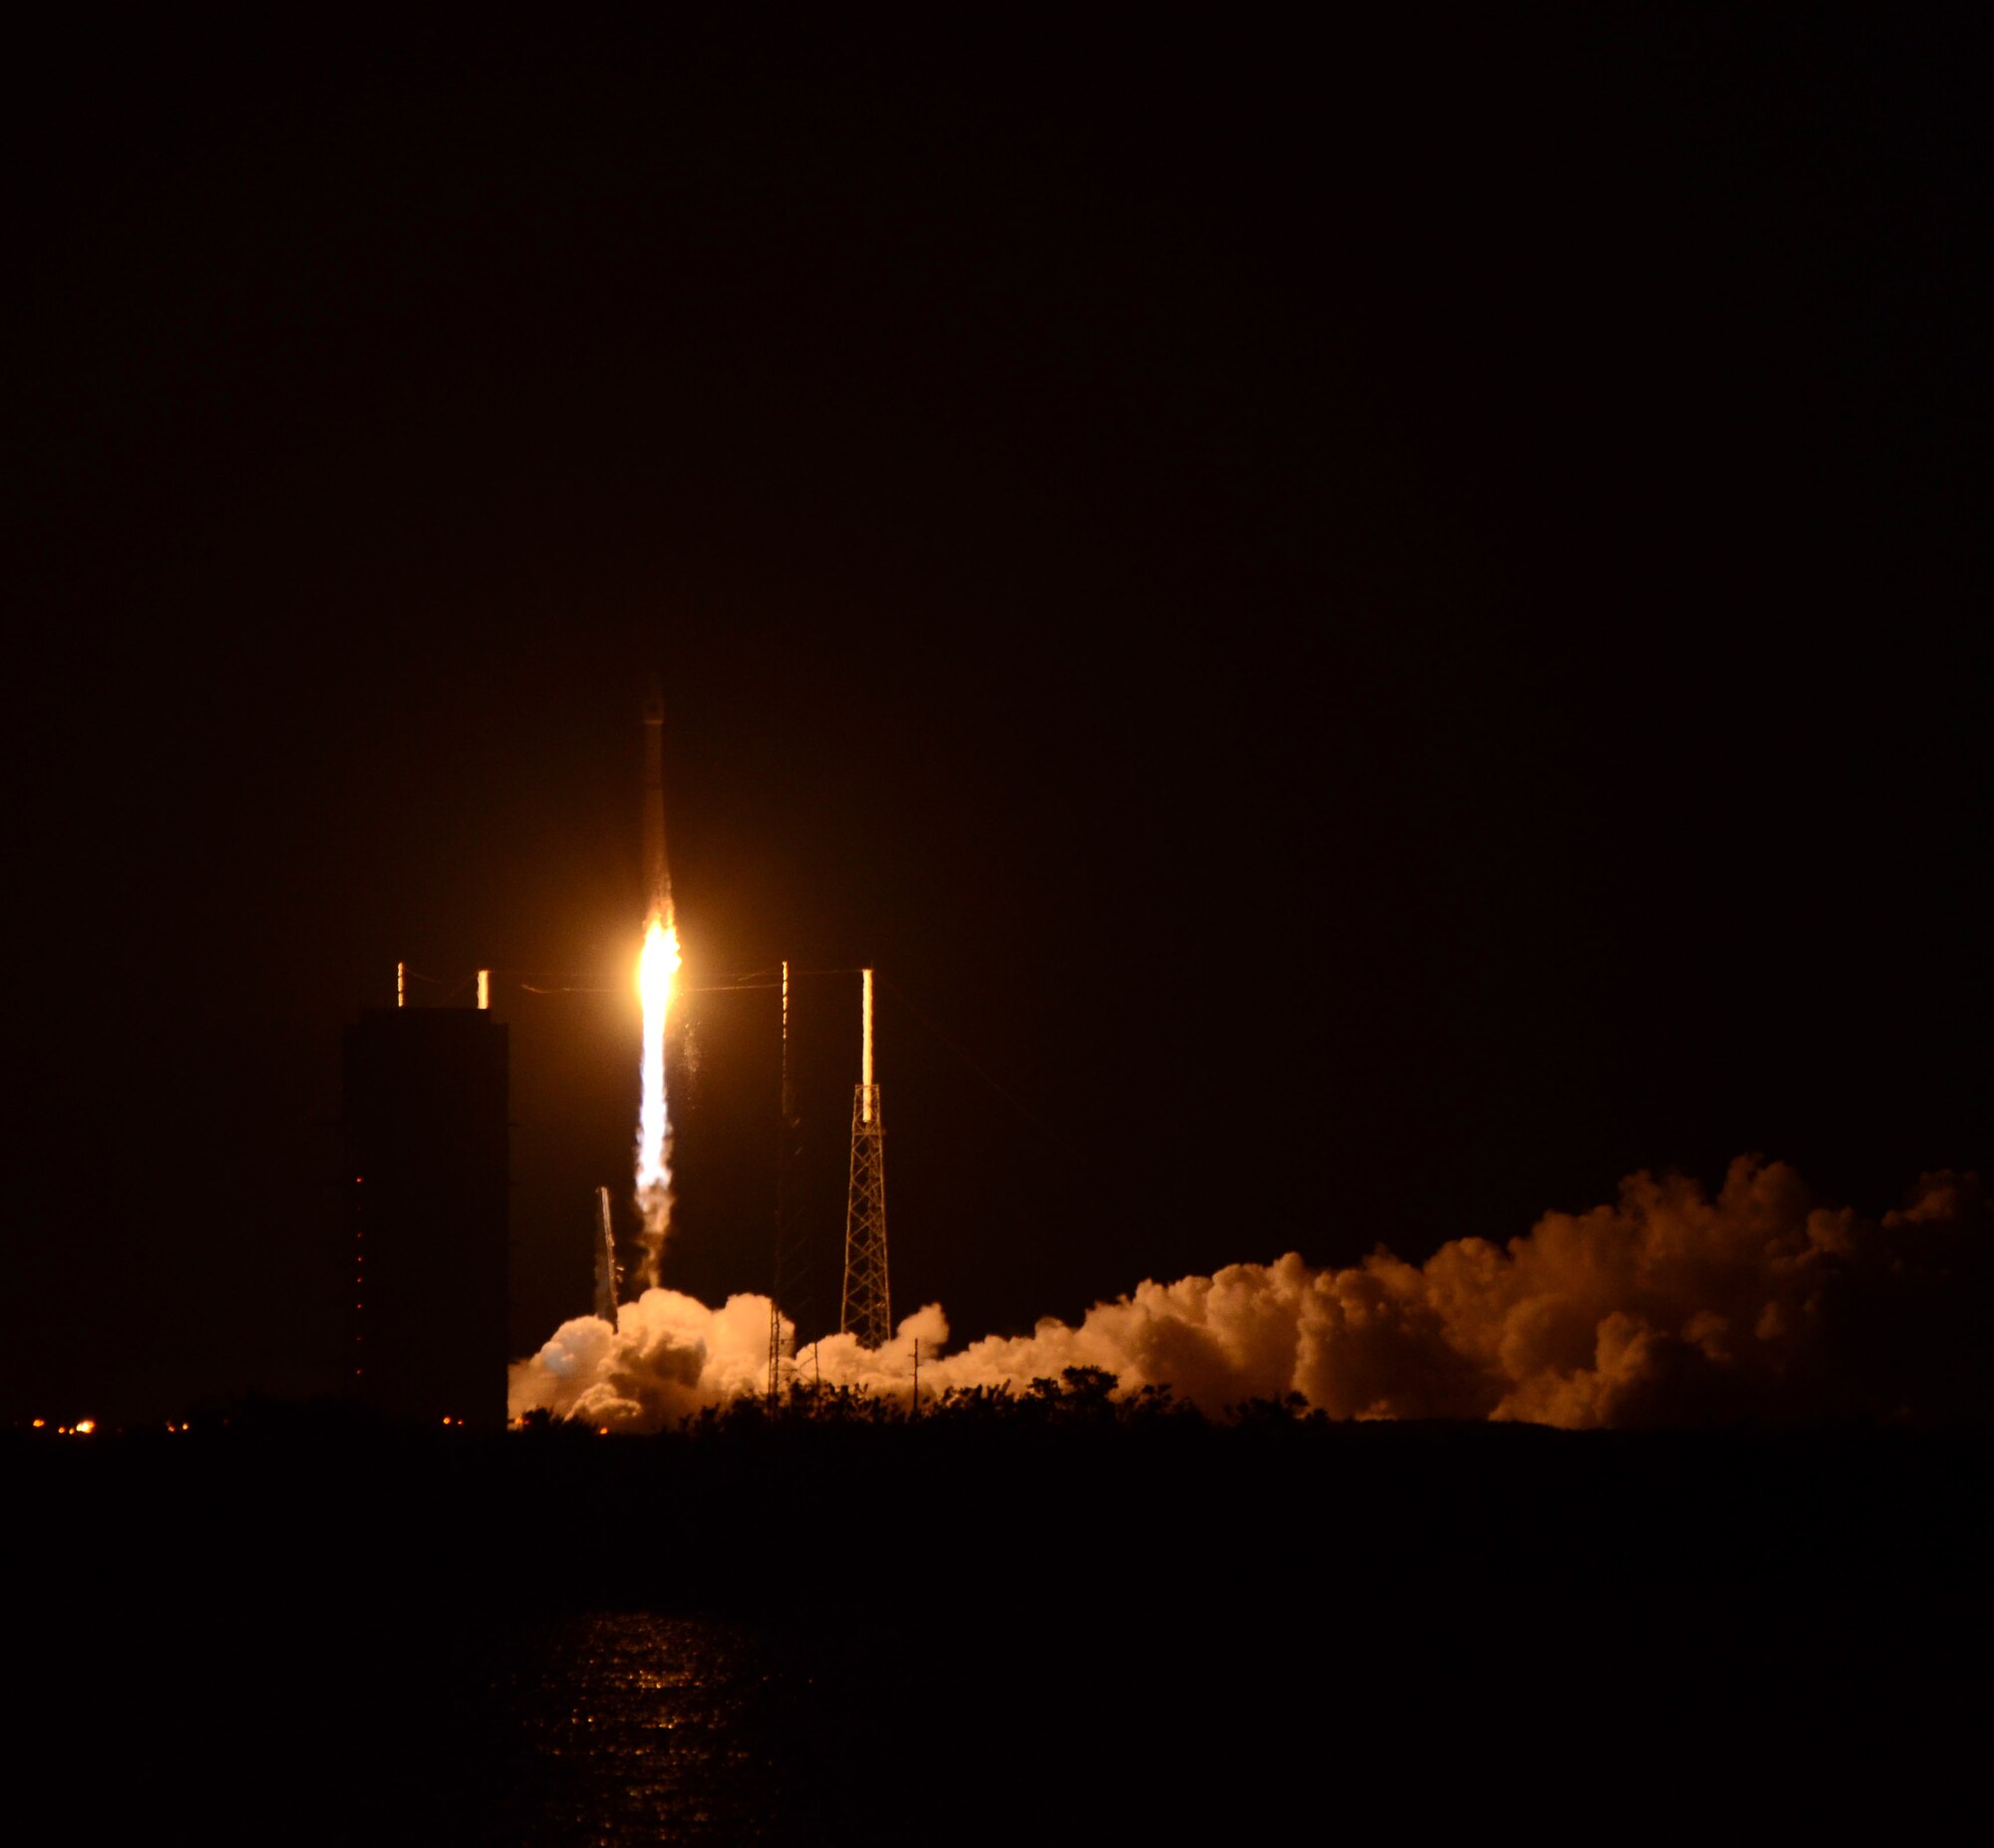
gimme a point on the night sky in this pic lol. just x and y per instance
(1373, 631)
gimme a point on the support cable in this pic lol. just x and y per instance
(970, 1060)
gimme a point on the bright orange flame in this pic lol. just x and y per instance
(85, 1426)
(656, 968)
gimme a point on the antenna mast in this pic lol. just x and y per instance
(790, 1286)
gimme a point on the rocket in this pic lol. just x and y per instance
(657, 876)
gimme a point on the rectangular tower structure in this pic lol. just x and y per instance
(426, 1139)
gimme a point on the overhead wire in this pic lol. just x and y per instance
(972, 1061)
(761, 981)
(755, 981)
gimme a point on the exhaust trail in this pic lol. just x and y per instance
(657, 970)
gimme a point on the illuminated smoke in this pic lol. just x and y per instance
(656, 967)
(1669, 1307)
(666, 1358)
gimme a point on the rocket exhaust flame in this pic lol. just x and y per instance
(657, 968)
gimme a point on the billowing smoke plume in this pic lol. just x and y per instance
(1667, 1308)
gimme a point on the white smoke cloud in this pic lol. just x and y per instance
(1669, 1307)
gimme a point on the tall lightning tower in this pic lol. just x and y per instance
(868, 1309)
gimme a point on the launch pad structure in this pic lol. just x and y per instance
(427, 1133)
(867, 1308)
(866, 1302)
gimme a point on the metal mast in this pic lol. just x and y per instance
(789, 1287)
(867, 1311)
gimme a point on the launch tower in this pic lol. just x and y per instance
(869, 1310)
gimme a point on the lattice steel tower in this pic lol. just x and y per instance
(868, 1308)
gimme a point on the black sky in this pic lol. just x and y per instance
(1373, 629)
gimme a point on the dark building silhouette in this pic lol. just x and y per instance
(426, 1185)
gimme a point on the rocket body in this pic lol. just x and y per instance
(657, 876)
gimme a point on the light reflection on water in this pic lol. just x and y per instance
(631, 1726)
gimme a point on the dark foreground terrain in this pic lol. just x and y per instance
(1051, 1623)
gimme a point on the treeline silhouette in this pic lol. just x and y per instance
(1086, 1396)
